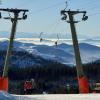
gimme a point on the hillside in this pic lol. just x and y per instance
(63, 53)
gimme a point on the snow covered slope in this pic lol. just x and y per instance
(63, 53)
(61, 97)
(6, 96)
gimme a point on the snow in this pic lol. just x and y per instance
(7, 96)
(63, 53)
(62, 97)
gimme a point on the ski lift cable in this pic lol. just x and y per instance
(56, 4)
(31, 53)
(27, 2)
(43, 39)
(47, 8)
(40, 37)
(54, 28)
(94, 14)
(50, 28)
(86, 4)
(66, 5)
(10, 17)
(54, 24)
(91, 8)
(58, 36)
(42, 9)
(56, 42)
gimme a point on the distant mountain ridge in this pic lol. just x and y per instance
(63, 53)
(6, 34)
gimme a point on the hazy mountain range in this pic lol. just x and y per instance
(63, 53)
(5, 34)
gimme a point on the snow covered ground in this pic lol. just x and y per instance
(61, 97)
(6, 96)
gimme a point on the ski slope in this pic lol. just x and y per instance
(60, 97)
(6, 96)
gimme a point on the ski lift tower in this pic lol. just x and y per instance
(14, 20)
(82, 80)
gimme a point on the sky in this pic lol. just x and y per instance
(44, 16)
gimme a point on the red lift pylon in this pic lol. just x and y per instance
(82, 79)
(14, 20)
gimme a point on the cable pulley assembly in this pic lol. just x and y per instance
(84, 17)
(65, 13)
